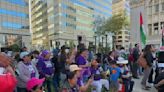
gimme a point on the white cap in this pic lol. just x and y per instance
(22, 54)
(73, 68)
(122, 61)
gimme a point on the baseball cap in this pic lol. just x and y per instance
(121, 61)
(34, 82)
(23, 54)
(73, 68)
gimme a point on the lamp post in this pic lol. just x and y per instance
(95, 43)
(102, 41)
(106, 36)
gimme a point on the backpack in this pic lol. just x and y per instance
(142, 61)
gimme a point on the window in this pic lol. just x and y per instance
(71, 25)
(119, 40)
(13, 13)
(15, 26)
(163, 6)
(18, 2)
(119, 37)
(156, 8)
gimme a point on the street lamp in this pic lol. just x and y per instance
(106, 36)
(95, 43)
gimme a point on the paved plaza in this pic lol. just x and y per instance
(138, 87)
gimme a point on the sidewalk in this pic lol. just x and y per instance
(138, 86)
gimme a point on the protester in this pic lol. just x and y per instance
(83, 87)
(115, 75)
(135, 64)
(70, 84)
(56, 78)
(82, 62)
(46, 69)
(159, 82)
(126, 74)
(98, 74)
(35, 57)
(147, 54)
(62, 59)
(7, 76)
(35, 85)
(110, 57)
(26, 71)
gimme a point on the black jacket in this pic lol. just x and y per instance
(149, 58)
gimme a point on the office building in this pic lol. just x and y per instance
(14, 23)
(68, 21)
(122, 38)
(153, 18)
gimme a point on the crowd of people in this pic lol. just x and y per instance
(74, 70)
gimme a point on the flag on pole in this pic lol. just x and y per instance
(142, 31)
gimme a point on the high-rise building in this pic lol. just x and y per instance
(68, 21)
(122, 37)
(153, 20)
(14, 23)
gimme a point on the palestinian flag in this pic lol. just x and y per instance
(142, 31)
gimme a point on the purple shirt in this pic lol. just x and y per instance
(82, 61)
(96, 73)
(45, 67)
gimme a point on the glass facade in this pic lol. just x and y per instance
(17, 2)
(14, 21)
(13, 13)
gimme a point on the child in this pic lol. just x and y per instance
(126, 76)
(115, 74)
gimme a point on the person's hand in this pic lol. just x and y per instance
(90, 80)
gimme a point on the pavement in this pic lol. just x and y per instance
(138, 86)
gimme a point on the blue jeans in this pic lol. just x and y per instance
(48, 84)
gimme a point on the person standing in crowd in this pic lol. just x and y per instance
(151, 79)
(136, 55)
(83, 87)
(7, 76)
(56, 77)
(62, 59)
(110, 57)
(70, 85)
(26, 71)
(82, 62)
(115, 75)
(126, 74)
(147, 54)
(46, 69)
(35, 85)
(98, 82)
(35, 57)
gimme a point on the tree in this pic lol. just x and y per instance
(15, 47)
(115, 23)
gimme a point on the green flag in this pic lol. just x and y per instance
(142, 31)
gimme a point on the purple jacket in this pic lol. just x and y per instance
(45, 67)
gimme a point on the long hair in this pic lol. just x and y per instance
(147, 49)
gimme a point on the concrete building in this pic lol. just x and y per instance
(69, 21)
(153, 18)
(14, 23)
(122, 38)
